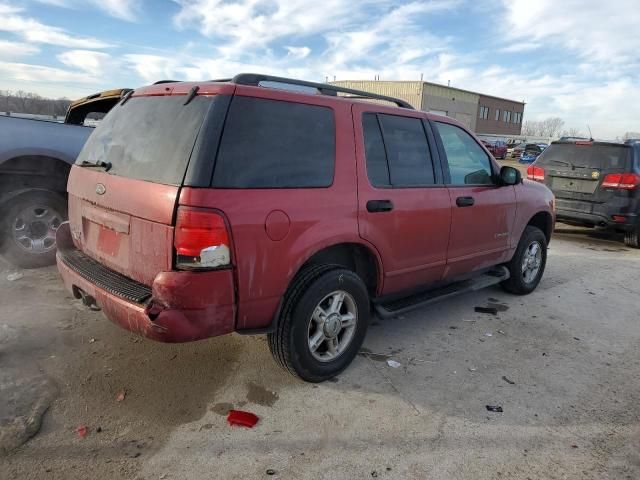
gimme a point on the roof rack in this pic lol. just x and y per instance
(159, 82)
(254, 79)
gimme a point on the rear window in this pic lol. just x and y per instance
(588, 156)
(148, 138)
(276, 144)
(397, 152)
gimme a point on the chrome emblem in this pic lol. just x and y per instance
(100, 189)
(595, 175)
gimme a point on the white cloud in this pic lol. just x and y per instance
(10, 50)
(38, 73)
(596, 29)
(33, 31)
(521, 47)
(152, 68)
(88, 61)
(242, 24)
(122, 9)
(298, 52)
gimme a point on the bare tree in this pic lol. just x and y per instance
(530, 128)
(629, 135)
(573, 132)
(27, 102)
(551, 127)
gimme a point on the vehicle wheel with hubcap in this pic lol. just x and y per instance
(323, 323)
(528, 263)
(632, 239)
(29, 224)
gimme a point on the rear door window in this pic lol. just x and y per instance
(468, 162)
(276, 144)
(397, 152)
(148, 138)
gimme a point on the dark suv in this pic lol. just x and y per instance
(270, 205)
(596, 184)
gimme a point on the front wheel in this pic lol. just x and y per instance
(528, 263)
(323, 323)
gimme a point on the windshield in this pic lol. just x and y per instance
(588, 156)
(148, 138)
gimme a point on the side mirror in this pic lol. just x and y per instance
(510, 176)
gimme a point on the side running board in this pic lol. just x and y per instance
(399, 306)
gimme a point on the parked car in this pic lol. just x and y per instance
(497, 148)
(200, 209)
(596, 184)
(530, 152)
(516, 150)
(35, 158)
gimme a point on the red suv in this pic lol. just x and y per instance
(497, 148)
(269, 205)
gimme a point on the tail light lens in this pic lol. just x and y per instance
(623, 181)
(201, 239)
(535, 173)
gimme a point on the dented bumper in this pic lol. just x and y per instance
(183, 306)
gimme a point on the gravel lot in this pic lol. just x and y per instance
(563, 363)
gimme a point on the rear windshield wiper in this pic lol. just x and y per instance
(98, 164)
(561, 162)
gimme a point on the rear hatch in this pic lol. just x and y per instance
(575, 171)
(126, 182)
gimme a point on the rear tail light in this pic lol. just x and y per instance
(623, 181)
(535, 173)
(201, 239)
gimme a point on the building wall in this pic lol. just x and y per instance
(410, 92)
(458, 104)
(462, 105)
(498, 127)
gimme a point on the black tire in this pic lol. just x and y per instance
(517, 283)
(632, 239)
(289, 344)
(35, 201)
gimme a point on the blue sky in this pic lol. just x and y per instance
(575, 59)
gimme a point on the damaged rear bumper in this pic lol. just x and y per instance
(180, 306)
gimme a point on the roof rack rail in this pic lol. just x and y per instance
(159, 82)
(254, 79)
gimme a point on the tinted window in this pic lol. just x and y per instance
(407, 151)
(377, 167)
(148, 138)
(274, 144)
(468, 162)
(589, 156)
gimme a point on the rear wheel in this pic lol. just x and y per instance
(632, 239)
(29, 225)
(528, 263)
(323, 323)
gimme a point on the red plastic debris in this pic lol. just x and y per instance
(81, 431)
(242, 419)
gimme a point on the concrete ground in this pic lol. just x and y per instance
(563, 363)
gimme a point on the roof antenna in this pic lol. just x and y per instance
(590, 134)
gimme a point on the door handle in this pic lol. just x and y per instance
(465, 201)
(379, 206)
